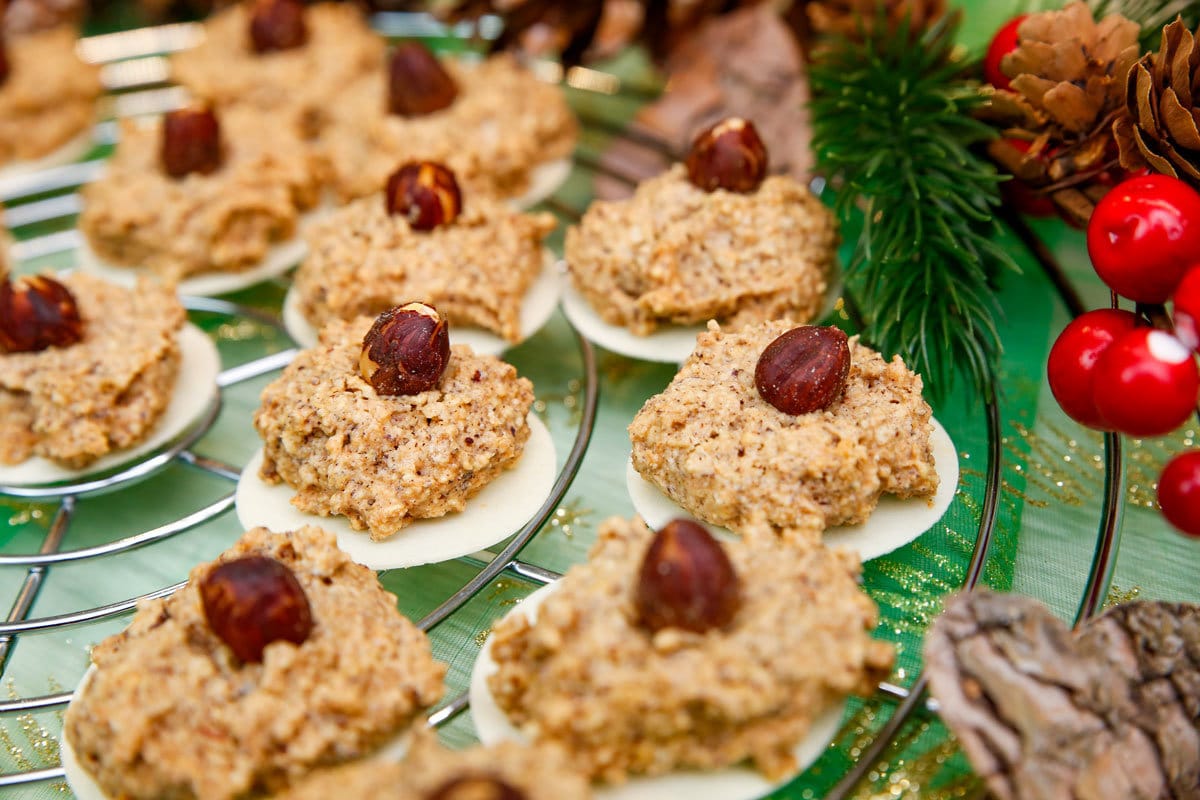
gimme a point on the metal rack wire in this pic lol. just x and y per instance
(134, 73)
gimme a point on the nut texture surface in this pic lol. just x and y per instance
(277, 25)
(37, 312)
(686, 581)
(191, 142)
(804, 369)
(417, 82)
(425, 193)
(406, 350)
(252, 601)
(730, 155)
(476, 787)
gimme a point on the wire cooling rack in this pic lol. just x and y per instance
(134, 73)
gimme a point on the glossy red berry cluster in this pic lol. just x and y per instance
(1137, 374)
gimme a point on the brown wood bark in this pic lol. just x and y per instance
(1109, 712)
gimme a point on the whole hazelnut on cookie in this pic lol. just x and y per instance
(686, 581)
(277, 25)
(252, 601)
(37, 312)
(804, 369)
(418, 84)
(729, 155)
(425, 193)
(191, 142)
(476, 787)
(406, 351)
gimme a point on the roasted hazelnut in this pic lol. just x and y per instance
(5, 67)
(418, 84)
(191, 142)
(252, 601)
(476, 787)
(37, 312)
(804, 369)
(686, 581)
(406, 350)
(729, 155)
(425, 193)
(277, 25)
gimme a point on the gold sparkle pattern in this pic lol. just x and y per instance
(23, 513)
(571, 400)
(1117, 595)
(32, 745)
(916, 765)
(245, 329)
(569, 517)
(502, 589)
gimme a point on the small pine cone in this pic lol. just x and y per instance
(851, 18)
(1068, 88)
(1161, 130)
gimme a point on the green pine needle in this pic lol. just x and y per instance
(893, 134)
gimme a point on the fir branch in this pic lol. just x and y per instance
(893, 132)
(1151, 15)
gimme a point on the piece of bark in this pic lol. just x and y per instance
(1109, 711)
(745, 64)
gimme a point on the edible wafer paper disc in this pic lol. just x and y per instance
(194, 389)
(892, 525)
(495, 513)
(280, 258)
(732, 783)
(669, 344)
(544, 180)
(536, 309)
(73, 150)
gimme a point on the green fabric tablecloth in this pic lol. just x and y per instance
(1049, 511)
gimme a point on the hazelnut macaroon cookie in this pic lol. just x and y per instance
(93, 374)
(410, 449)
(281, 57)
(794, 430)
(501, 130)
(47, 101)
(210, 199)
(668, 659)
(279, 657)
(429, 771)
(715, 238)
(481, 263)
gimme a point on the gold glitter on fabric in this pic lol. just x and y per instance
(570, 517)
(23, 513)
(32, 745)
(246, 330)
(571, 400)
(1117, 595)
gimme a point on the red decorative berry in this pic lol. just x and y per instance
(1071, 365)
(1179, 492)
(1143, 235)
(1003, 43)
(1187, 308)
(1145, 383)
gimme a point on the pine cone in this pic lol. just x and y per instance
(1160, 131)
(852, 18)
(1068, 88)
